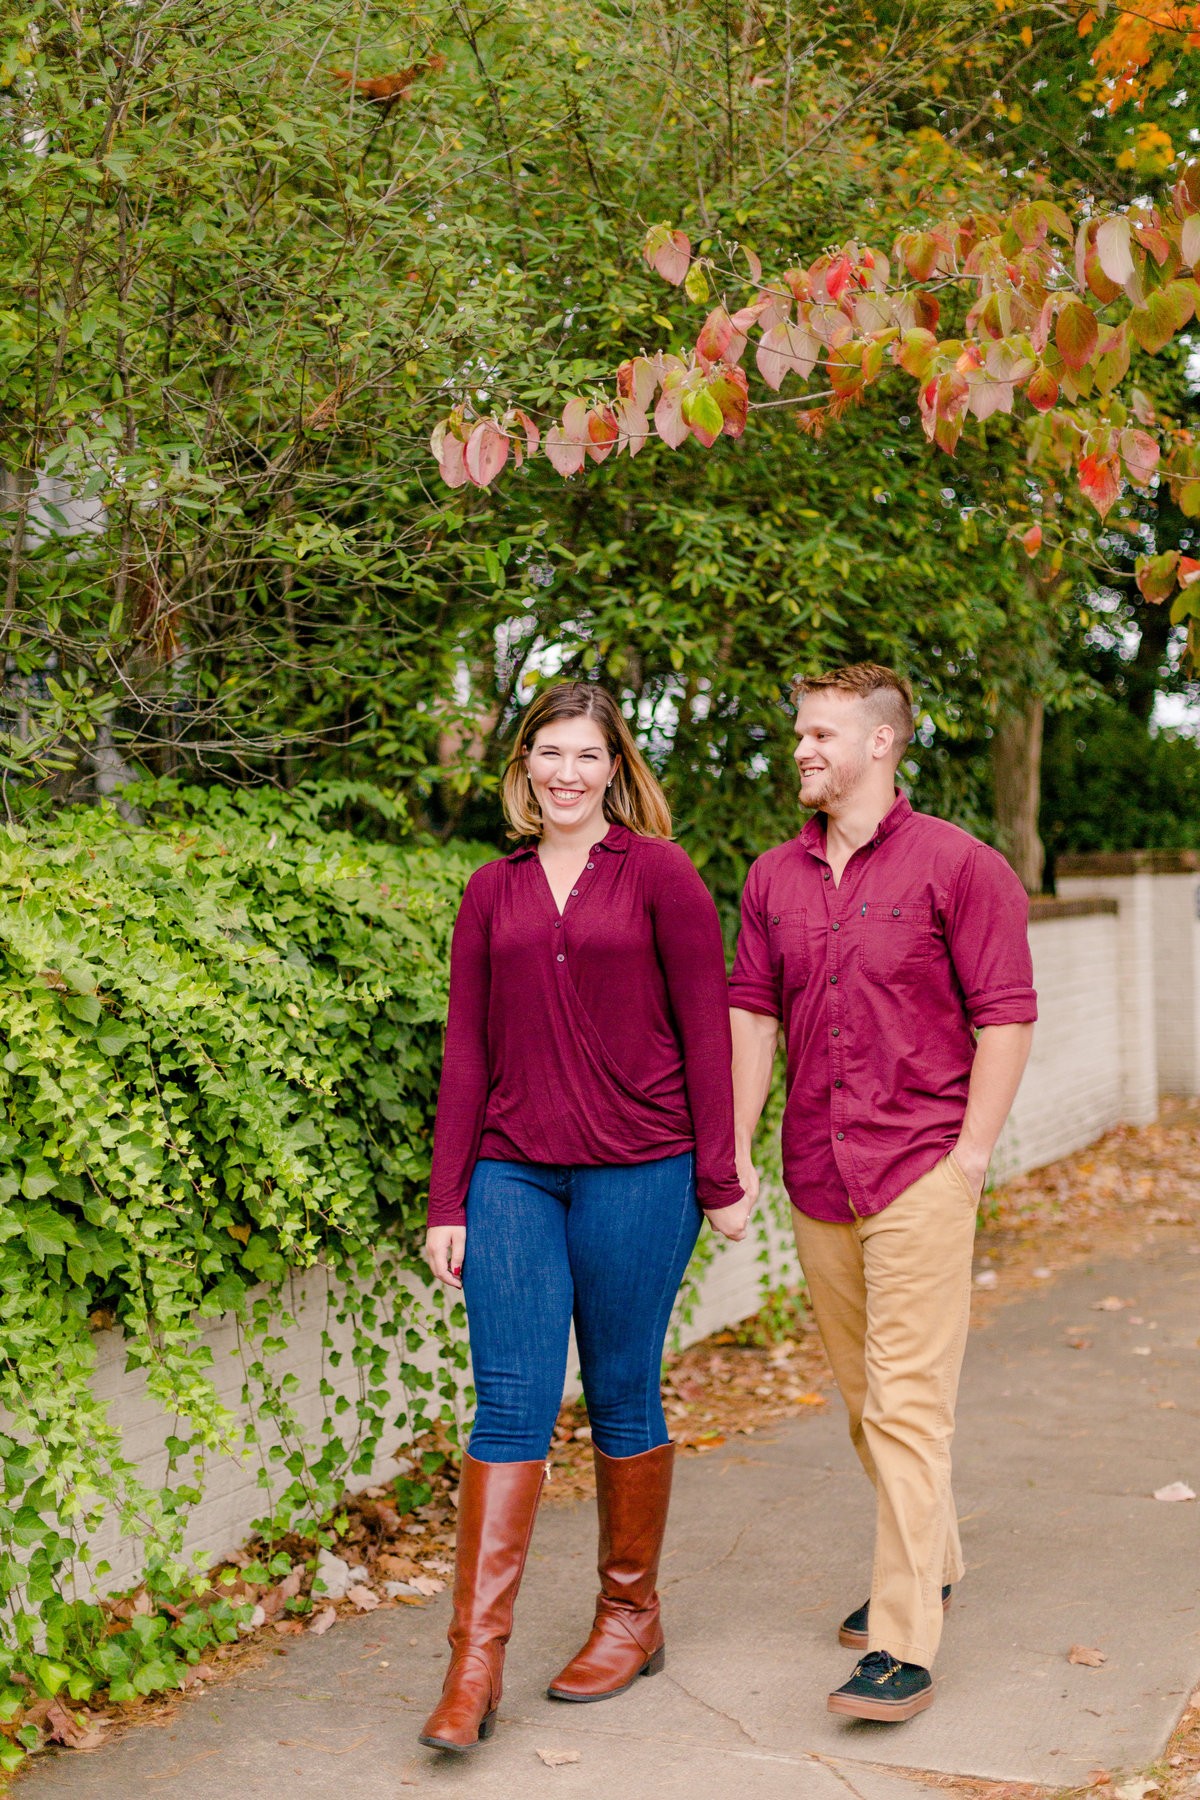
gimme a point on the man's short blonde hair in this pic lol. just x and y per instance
(888, 695)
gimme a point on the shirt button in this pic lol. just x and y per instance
(895, 912)
(774, 918)
(837, 1030)
(574, 891)
(833, 981)
(837, 1084)
(841, 1135)
(836, 926)
(558, 924)
(562, 959)
(591, 865)
(827, 874)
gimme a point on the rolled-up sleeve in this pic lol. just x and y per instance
(754, 986)
(987, 934)
(463, 1093)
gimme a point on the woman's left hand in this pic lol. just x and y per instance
(731, 1221)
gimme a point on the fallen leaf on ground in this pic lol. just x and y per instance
(1110, 1303)
(1175, 1490)
(363, 1598)
(986, 1278)
(1099, 1777)
(810, 1399)
(426, 1584)
(323, 1621)
(1194, 1700)
(554, 1758)
(1136, 1790)
(1089, 1658)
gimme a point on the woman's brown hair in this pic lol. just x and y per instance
(635, 799)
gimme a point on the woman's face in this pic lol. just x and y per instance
(569, 768)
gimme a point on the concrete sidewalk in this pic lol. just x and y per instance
(1059, 1451)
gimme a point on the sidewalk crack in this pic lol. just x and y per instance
(709, 1707)
(835, 1770)
(694, 1574)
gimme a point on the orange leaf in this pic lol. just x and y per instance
(1032, 540)
(1076, 333)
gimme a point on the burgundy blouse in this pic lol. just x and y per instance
(600, 1036)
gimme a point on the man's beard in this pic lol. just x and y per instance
(831, 786)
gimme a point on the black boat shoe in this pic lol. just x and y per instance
(882, 1688)
(853, 1629)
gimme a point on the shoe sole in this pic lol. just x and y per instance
(656, 1663)
(486, 1727)
(886, 1712)
(857, 1640)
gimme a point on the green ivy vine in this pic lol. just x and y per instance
(222, 1033)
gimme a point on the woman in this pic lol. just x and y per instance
(584, 1121)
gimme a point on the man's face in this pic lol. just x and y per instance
(835, 737)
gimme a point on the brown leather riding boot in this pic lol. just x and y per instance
(632, 1494)
(497, 1503)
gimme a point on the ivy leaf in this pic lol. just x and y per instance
(38, 1180)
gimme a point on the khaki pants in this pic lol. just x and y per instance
(892, 1297)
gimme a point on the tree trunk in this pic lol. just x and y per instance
(1017, 788)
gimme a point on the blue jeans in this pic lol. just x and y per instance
(607, 1246)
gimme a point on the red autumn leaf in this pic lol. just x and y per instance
(564, 453)
(451, 466)
(668, 252)
(915, 353)
(836, 276)
(486, 452)
(720, 340)
(602, 432)
(1100, 481)
(926, 311)
(1139, 453)
(1042, 391)
(919, 252)
(1152, 239)
(1188, 571)
(633, 427)
(575, 422)
(786, 349)
(669, 421)
(1032, 540)
(514, 417)
(1098, 283)
(1076, 334)
(1155, 576)
(1114, 250)
(637, 379)
(730, 390)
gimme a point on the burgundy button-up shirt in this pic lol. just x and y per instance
(593, 1037)
(880, 982)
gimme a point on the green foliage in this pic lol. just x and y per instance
(222, 1039)
(1109, 784)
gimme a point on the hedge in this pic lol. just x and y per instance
(222, 1035)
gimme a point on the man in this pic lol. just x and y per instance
(893, 948)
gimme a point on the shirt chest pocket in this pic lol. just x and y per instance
(788, 942)
(897, 942)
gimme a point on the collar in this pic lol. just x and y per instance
(616, 840)
(812, 837)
